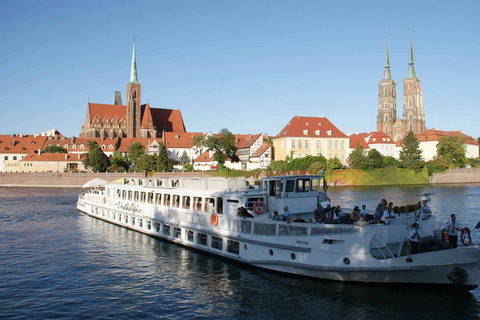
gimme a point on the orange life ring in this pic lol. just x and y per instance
(214, 219)
(463, 234)
(259, 207)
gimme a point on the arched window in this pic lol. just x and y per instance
(343, 144)
(410, 116)
(319, 144)
(306, 144)
(293, 144)
(386, 129)
(336, 144)
(299, 144)
(386, 118)
(330, 144)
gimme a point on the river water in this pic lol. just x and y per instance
(56, 262)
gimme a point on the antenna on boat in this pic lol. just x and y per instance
(325, 185)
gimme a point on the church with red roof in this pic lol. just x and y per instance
(132, 120)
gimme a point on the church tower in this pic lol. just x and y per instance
(413, 112)
(387, 99)
(133, 100)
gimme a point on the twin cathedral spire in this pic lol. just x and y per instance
(413, 118)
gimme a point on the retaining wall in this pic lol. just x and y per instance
(471, 175)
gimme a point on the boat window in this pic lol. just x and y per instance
(315, 184)
(124, 194)
(140, 223)
(157, 226)
(143, 196)
(186, 202)
(176, 200)
(166, 229)
(217, 243)
(265, 185)
(130, 195)
(166, 200)
(120, 217)
(126, 219)
(219, 205)
(150, 197)
(177, 232)
(158, 198)
(202, 239)
(209, 205)
(303, 185)
(290, 186)
(233, 246)
(136, 196)
(149, 225)
(119, 193)
(189, 235)
(197, 203)
(251, 202)
(133, 221)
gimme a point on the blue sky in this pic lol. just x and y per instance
(248, 66)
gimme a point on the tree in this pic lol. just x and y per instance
(411, 155)
(222, 146)
(334, 164)
(357, 159)
(162, 158)
(374, 159)
(452, 149)
(184, 158)
(118, 163)
(146, 162)
(135, 151)
(187, 167)
(54, 149)
(389, 161)
(95, 159)
(315, 167)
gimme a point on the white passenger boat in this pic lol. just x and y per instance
(202, 213)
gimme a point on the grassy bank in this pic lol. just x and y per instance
(387, 176)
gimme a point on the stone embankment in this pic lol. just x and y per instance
(471, 175)
(71, 180)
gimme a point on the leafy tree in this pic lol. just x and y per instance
(334, 164)
(357, 159)
(146, 162)
(95, 159)
(117, 162)
(54, 149)
(374, 159)
(162, 159)
(305, 162)
(389, 161)
(187, 167)
(453, 149)
(135, 151)
(184, 158)
(411, 155)
(222, 146)
(315, 167)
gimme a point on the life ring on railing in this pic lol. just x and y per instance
(214, 219)
(259, 207)
(463, 234)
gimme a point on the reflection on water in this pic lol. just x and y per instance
(57, 262)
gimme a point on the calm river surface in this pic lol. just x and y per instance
(56, 262)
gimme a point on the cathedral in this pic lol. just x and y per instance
(413, 118)
(132, 120)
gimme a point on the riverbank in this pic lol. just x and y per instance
(337, 178)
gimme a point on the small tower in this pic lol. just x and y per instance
(413, 112)
(387, 103)
(133, 100)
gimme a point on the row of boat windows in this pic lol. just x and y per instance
(165, 229)
(206, 204)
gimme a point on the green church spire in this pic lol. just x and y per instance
(411, 68)
(133, 71)
(386, 73)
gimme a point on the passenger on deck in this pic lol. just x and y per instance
(289, 219)
(319, 212)
(335, 215)
(388, 214)
(329, 219)
(310, 221)
(286, 214)
(363, 212)
(355, 215)
(426, 211)
(380, 209)
(361, 222)
(452, 227)
(328, 209)
(414, 238)
(276, 217)
(239, 212)
(245, 212)
(299, 219)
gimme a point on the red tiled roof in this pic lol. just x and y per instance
(167, 119)
(204, 157)
(243, 141)
(358, 137)
(377, 137)
(310, 127)
(74, 144)
(21, 144)
(436, 135)
(265, 146)
(106, 110)
(127, 142)
(180, 139)
(52, 157)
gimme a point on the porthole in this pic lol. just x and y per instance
(245, 247)
(271, 252)
(293, 256)
(346, 261)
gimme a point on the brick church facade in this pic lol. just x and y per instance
(132, 120)
(413, 118)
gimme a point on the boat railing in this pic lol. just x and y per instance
(376, 241)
